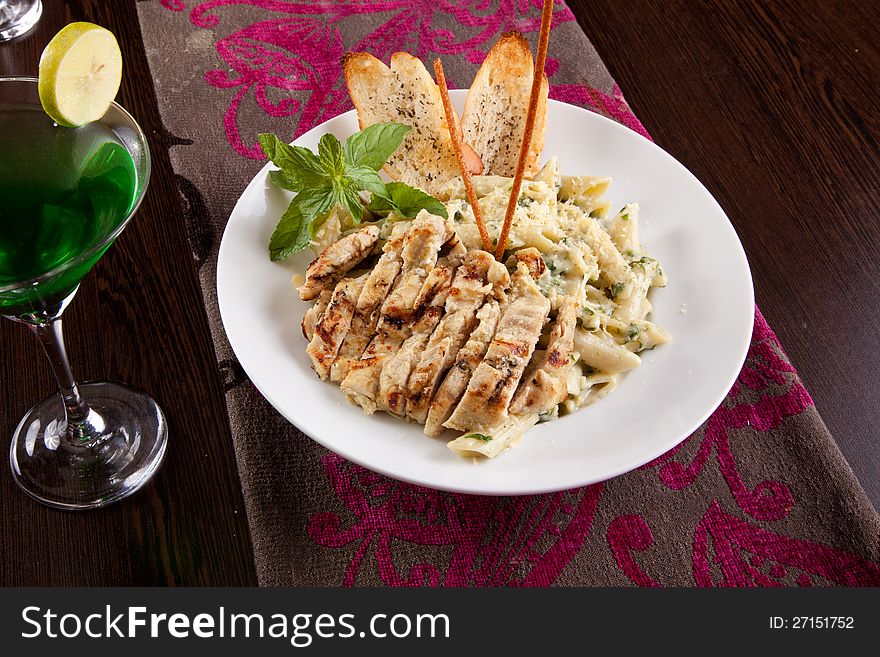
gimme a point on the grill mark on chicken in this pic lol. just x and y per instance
(545, 383)
(484, 404)
(337, 260)
(313, 314)
(457, 250)
(363, 325)
(477, 277)
(421, 245)
(330, 331)
(456, 380)
(397, 368)
(395, 372)
(361, 382)
(532, 259)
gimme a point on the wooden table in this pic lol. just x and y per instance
(773, 107)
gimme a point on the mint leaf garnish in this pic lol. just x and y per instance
(373, 145)
(293, 231)
(348, 196)
(291, 235)
(335, 176)
(280, 180)
(301, 167)
(406, 201)
(331, 155)
(367, 179)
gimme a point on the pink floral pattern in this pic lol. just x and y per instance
(519, 541)
(765, 370)
(287, 64)
(297, 56)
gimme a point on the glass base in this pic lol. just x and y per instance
(18, 17)
(64, 473)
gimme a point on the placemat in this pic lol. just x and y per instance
(759, 495)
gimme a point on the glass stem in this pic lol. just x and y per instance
(52, 339)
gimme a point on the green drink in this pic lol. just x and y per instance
(63, 192)
(66, 193)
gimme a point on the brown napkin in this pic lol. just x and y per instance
(759, 495)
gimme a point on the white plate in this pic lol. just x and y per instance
(656, 406)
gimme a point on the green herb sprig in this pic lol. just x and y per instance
(335, 176)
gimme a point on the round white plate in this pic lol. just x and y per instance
(708, 307)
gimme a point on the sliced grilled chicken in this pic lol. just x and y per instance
(545, 382)
(456, 380)
(337, 260)
(428, 307)
(421, 244)
(479, 276)
(376, 287)
(375, 291)
(363, 328)
(333, 326)
(361, 384)
(457, 250)
(533, 260)
(313, 314)
(426, 314)
(385, 272)
(486, 400)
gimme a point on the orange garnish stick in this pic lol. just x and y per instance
(529, 128)
(455, 133)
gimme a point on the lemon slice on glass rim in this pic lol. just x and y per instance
(80, 72)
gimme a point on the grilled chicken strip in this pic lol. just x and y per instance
(545, 383)
(486, 400)
(479, 276)
(362, 330)
(456, 380)
(336, 260)
(457, 250)
(426, 314)
(333, 326)
(421, 244)
(428, 307)
(385, 272)
(313, 314)
(532, 259)
(363, 324)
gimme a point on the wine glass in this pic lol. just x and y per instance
(18, 16)
(65, 195)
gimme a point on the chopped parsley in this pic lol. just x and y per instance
(616, 289)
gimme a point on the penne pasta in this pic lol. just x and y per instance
(497, 441)
(599, 351)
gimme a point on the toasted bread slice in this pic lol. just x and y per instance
(404, 93)
(495, 111)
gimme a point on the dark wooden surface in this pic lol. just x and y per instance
(138, 317)
(772, 106)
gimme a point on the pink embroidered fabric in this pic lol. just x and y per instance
(758, 496)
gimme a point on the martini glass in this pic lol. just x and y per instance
(65, 195)
(18, 17)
